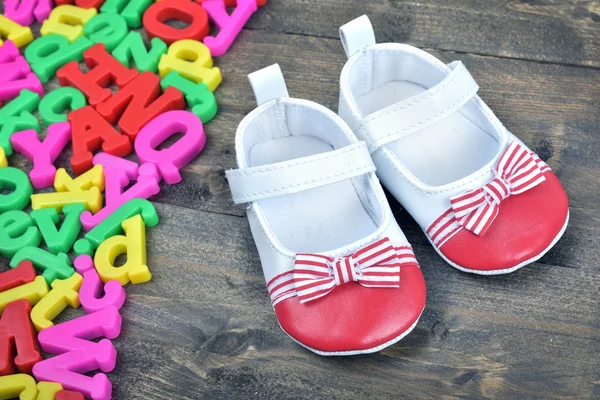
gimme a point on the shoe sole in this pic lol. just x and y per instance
(358, 352)
(506, 270)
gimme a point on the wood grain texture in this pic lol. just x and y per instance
(560, 31)
(203, 328)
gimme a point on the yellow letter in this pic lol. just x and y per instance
(19, 386)
(68, 21)
(192, 60)
(48, 390)
(91, 199)
(3, 162)
(64, 292)
(32, 292)
(10, 30)
(134, 245)
(94, 177)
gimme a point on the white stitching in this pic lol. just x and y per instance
(394, 135)
(278, 166)
(366, 167)
(426, 97)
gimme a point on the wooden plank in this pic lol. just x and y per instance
(557, 31)
(552, 108)
(204, 328)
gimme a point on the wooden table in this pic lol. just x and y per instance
(203, 328)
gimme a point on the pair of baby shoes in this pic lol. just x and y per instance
(342, 276)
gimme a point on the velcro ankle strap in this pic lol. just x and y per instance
(425, 109)
(266, 181)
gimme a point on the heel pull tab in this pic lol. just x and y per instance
(268, 84)
(357, 35)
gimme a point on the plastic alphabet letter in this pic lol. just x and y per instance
(26, 11)
(199, 70)
(78, 333)
(17, 231)
(109, 29)
(182, 10)
(48, 53)
(133, 47)
(10, 30)
(32, 292)
(68, 21)
(104, 69)
(69, 369)
(133, 244)
(20, 386)
(64, 293)
(90, 132)
(16, 180)
(94, 177)
(82, 3)
(53, 105)
(197, 95)
(69, 395)
(91, 199)
(59, 241)
(24, 273)
(117, 179)
(48, 390)
(91, 288)
(52, 266)
(3, 161)
(42, 153)
(230, 25)
(112, 225)
(169, 161)
(138, 102)
(17, 116)
(16, 328)
(130, 10)
(15, 74)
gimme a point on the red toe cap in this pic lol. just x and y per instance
(525, 227)
(355, 318)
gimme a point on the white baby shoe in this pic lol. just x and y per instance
(487, 203)
(342, 277)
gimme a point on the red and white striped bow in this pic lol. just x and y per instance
(376, 265)
(517, 171)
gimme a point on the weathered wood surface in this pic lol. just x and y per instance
(203, 328)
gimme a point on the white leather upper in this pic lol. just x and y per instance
(406, 117)
(393, 129)
(267, 186)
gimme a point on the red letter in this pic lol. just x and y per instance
(24, 273)
(138, 103)
(89, 132)
(182, 10)
(16, 327)
(104, 70)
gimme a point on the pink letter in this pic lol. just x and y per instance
(91, 288)
(68, 369)
(117, 175)
(23, 12)
(8, 52)
(170, 160)
(77, 334)
(15, 74)
(229, 25)
(42, 154)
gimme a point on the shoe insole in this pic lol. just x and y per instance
(315, 220)
(441, 153)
